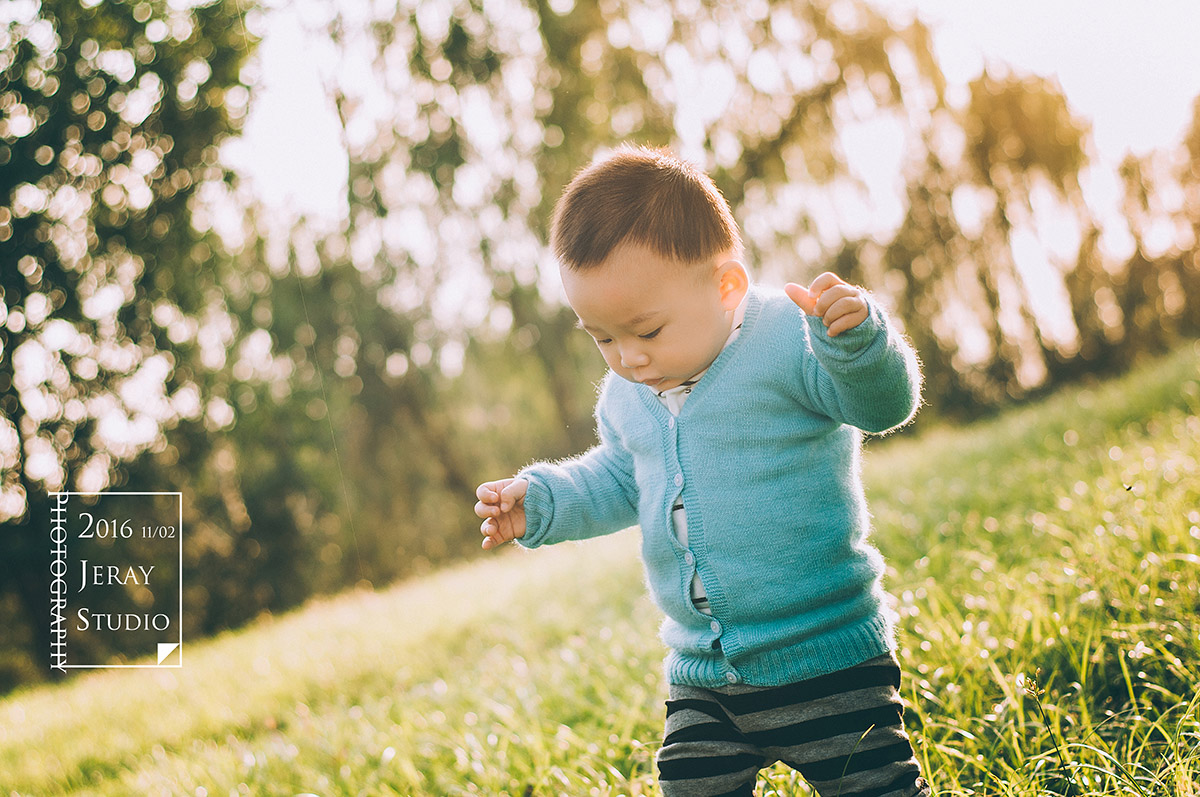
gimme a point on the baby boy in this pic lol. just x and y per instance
(730, 425)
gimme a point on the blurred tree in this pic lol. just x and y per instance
(953, 257)
(331, 399)
(1156, 289)
(1188, 217)
(112, 114)
(1001, 175)
(463, 120)
(476, 115)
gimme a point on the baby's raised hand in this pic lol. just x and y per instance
(840, 305)
(502, 506)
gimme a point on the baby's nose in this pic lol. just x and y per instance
(633, 357)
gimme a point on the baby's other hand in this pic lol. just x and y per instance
(840, 305)
(502, 506)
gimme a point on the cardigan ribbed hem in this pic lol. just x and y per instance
(837, 650)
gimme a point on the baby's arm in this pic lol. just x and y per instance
(589, 495)
(862, 372)
(502, 506)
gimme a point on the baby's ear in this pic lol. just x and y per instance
(732, 283)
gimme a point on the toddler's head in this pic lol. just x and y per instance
(643, 196)
(648, 252)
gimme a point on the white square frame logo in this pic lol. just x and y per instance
(61, 573)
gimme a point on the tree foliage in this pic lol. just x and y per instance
(326, 402)
(112, 114)
(500, 102)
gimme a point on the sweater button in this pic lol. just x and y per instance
(671, 424)
(689, 557)
(678, 479)
(731, 677)
(715, 626)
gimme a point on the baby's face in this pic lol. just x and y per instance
(655, 321)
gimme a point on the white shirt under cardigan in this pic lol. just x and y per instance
(673, 400)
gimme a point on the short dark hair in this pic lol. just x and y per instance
(646, 196)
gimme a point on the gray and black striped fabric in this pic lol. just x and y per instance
(843, 732)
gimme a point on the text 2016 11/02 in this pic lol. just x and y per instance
(105, 528)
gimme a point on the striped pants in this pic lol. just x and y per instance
(843, 732)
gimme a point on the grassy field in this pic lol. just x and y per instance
(1046, 569)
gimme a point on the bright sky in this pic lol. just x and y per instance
(1131, 68)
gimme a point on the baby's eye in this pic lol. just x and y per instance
(651, 335)
(602, 341)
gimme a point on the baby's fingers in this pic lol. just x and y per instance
(824, 282)
(801, 296)
(491, 534)
(489, 492)
(846, 321)
(513, 494)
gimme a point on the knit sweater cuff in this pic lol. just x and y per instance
(539, 511)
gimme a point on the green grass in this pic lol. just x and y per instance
(1046, 568)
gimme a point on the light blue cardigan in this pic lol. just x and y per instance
(766, 451)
